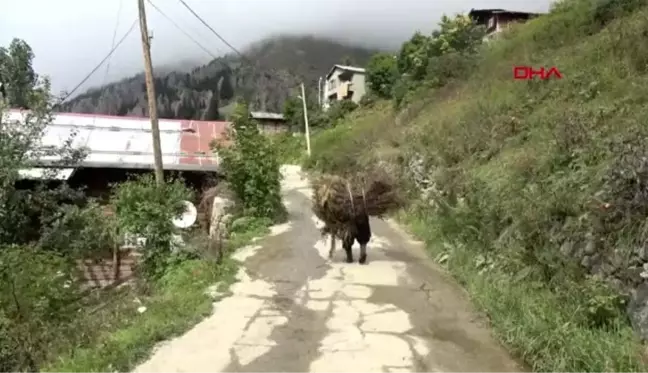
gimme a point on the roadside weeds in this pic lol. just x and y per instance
(137, 319)
(534, 323)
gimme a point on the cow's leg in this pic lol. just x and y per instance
(347, 243)
(363, 236)
(363, 253)
(332, 249)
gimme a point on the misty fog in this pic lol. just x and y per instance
(70, 37)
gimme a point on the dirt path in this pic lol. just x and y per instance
(293, 310)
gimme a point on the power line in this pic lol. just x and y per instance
(100, 63)
(269, 72)
(254, 64)
(212, 30)
(182, 30)
(114, 37)
(112, 45)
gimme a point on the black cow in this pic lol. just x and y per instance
(358, 230)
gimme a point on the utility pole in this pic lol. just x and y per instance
(152, 98)
(319, 92)
(303, 97)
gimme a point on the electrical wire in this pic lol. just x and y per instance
(213, 31)
(114, 38)
(132, 27)
(100, 63)
(255, 65)
(182, 30)
(112, 45)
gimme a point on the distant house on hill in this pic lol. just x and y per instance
(270, 122)
(497, 20)
(344, 83)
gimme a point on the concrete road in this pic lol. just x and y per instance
(294, 310)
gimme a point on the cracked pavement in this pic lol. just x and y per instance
(294, 310)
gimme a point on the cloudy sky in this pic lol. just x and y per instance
(70, 37)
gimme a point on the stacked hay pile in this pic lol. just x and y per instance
(337, 201)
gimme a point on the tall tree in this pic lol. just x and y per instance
(413, 56)
(456, 35)
(293, 112)
(226, 89)
(20, 142)
(211, 113)
(186, 107)
(382, 73)
(17, 74)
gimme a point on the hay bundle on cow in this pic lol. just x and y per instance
(345, 204)
(337, 201)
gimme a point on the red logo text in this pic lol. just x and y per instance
(529, 72)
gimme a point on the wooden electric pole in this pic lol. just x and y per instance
(307, 130)
(150, 90)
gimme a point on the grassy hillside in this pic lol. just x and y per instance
(282, 63)
(534, 194)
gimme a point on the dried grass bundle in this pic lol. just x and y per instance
(337, 201)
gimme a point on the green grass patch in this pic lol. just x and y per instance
(290, 148)
(536, 324)
(174, 303)
(244, 229)
(354, 140)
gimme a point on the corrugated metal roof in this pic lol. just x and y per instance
(346, 68)
(42, 173)
(499, 11)
(266, 115)
(125, 142)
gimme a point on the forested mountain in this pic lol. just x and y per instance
(270, 71)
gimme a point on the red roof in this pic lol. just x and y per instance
(119, 141)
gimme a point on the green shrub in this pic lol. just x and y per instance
(401, 91)
(607, 10)
(145, 209)
(341, 149)
(81, 232)
(289, 147)
(382, 72)
(369, 99)
(337, 112)
(251, 166)
(293, 112)
(38, 304)
(444, 55)
(413, 56)
(332, 151)
(317, 119)
(448, 67)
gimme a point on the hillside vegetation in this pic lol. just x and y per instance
(534, 194)
(270, 72)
